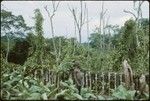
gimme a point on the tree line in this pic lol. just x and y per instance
(105, 49)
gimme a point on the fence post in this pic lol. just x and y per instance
(96, 81)
(90, 79)
(50, 77)
(58, 80)
(108, 83)
(112, 79)
(83, 79)
(120, 78)
(115, 80)
(102, 83)
(35, 73)
(86, 80)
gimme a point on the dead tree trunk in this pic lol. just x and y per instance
(79, 21)
(55, 7)
(128, 74)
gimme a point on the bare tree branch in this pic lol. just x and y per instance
(84, 12)
(81, 14)
(105, 12)
(47, 10)
(79, 21)
(130, 13)
(138, 14)
(55, 6)
(75, 18)
(85, 22)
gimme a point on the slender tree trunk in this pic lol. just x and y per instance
(54, 45)
(80, 36)
(103, 33)
(59, 52)
(8, 42)
(100, 25)
(55, 6)
(52, 31)
(74, 48)
(80, 23)
(109, 39)
(88, 56)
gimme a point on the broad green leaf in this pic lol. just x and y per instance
(100, 97)
(131, 95)
(87, 95)
(7, 84)
(146, 95)
(110, 98)
(33, 81)
(35, 89)
(121, 88)
(5, 75)
(35, 96)
(64, 84)
(70, 81)
(26, 84)
(24, 68)
(44, 96)
(63, 92)
(46, 89)
(119, 95)
(84, 90)
(7, 94)
(79, 97)
(16, 90)
(72, 87)
(52, 93)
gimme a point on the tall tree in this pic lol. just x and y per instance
(39, 32)
(12, 25)
(137, 16)
(51, 16)
(129, 39)
(102, 25)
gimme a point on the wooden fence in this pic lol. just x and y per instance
(98, 82)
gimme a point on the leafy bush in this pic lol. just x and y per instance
(19, 87)
(122, 93)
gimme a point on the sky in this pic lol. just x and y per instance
(63, 19)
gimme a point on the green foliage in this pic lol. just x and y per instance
(39, 39)
(129, 40)
(4, 43)
(19, 87)
(128, 48)
(122, 93)
(16, 86)
(13, 25)
(68, 91)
